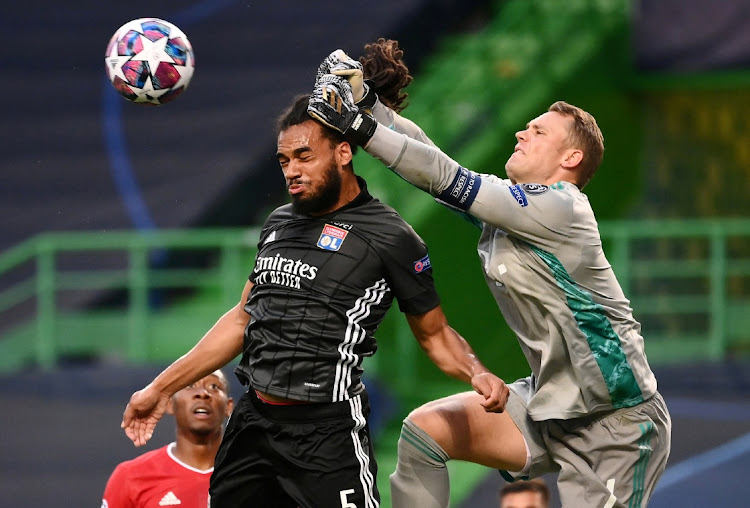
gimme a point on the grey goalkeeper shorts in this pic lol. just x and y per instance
(610, 459)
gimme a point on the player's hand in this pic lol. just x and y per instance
(493, 389)
(145, 409)
(341, 64)
(326, 66)
(351, 70)
(332, 103)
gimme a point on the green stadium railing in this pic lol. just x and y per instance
(82, 263)
(675, 270)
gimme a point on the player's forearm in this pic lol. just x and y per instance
(389, 118)
(221, 344)
(423, 165)
(453, 355)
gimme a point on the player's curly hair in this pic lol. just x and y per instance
(386, 72)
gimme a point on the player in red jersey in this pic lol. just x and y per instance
(178, 473)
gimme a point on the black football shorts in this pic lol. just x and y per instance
(301, 455)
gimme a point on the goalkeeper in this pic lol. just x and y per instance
(590, 409)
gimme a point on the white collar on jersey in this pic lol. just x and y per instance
(170, 452)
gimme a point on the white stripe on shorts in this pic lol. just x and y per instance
(365, 475)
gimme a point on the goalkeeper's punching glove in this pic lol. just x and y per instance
(333, 104)
(337, 56)
(350, 69)
(341, 64)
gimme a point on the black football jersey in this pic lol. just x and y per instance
(322, 287)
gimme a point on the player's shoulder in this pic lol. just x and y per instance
(376, 208)
(142, 461)
(557, 194)
(379, 219)
(570, 194)
(565, 189)
(280, 214)
(489, 177)
(276, 218)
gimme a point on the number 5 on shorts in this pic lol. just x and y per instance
(344, 502)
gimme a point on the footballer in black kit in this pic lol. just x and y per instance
(328, 268)
(322, 286)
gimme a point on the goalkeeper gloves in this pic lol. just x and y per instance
(352, 71)
(327, 64)
(332, 103)
(341, 64)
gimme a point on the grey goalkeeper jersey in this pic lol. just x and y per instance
(543, 261)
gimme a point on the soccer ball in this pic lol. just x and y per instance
(149, 61)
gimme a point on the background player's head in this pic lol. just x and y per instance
(565, 143)
(524, 494)
(316, 161)
(201, 408)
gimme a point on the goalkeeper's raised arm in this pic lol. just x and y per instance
(485, 197)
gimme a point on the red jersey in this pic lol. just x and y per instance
(157, 479)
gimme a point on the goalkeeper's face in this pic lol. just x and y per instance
(542, 153)
(313, 166)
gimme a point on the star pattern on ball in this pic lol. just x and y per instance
(153, 53)
(149, 61)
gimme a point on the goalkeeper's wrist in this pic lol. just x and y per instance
(368, 100)
(361, 129)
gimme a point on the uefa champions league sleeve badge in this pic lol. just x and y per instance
(331, 238)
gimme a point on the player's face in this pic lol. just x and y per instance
(202, 407)
(541, 149)
(312, 166)
(523, 500)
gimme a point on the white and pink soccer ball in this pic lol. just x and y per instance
(149, 61)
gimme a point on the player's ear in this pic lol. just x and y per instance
(230, 407)
(572, 157)
(344, 153)
(170, 407)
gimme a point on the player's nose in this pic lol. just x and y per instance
(292, 170)
(202, 393)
